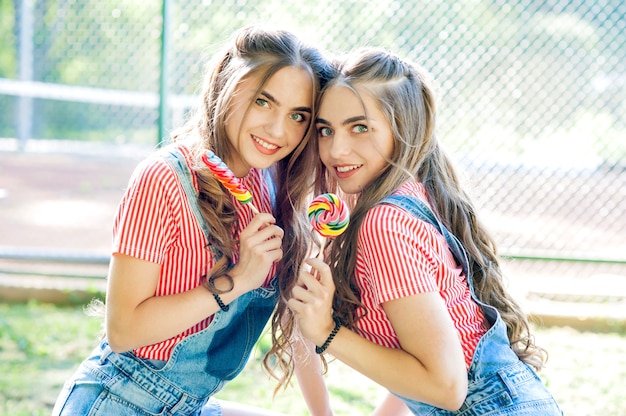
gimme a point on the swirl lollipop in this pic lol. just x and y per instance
(227, 178)
(329, 216)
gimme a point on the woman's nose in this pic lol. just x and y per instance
(276, 127)
(340, 145)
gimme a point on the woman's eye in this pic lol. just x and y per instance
(325, 131)
(261, 102)
(297, 117)
(360, 128)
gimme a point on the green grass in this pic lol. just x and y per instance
(41, 345)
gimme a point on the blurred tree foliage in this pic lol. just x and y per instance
(523, 67)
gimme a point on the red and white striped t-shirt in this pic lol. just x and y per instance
(155, 223)
(399, 255)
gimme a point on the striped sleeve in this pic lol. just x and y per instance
(145, 225)
(397, 254)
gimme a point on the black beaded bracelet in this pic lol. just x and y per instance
(219, 301)
(223, 307)
(320, 350)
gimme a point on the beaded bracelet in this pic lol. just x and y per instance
(320, 350)
(219, 301)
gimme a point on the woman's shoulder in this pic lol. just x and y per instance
(160, 162)
(410, 188)
(157, 170)
(384, 217)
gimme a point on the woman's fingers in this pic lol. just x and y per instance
(312, 292)
(260, 245)
(322, 273)
(311, 302)
(258, 223)
(262, 238)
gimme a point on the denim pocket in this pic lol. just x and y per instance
(110, 404)
(514, 390)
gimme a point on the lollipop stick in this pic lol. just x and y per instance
(320, 255)
(254, 210)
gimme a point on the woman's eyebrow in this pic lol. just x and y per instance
(303, 109)
(273, 99)
(353, 119)
(344, 123)
(270, 97)
(321, 121)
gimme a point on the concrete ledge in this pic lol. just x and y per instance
(584, 316)
(59, 290)
(66, 297)
(542, 309)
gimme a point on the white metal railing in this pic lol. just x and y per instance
(27, 90)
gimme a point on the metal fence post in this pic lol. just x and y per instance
(163, 88)
(24, 109)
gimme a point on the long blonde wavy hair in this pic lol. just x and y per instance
(256, 50)
(405, 93)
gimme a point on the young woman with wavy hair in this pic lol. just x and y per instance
(411, 294)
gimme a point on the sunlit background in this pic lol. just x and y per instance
(533, 93)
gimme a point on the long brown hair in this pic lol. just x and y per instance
(406, 96)
(255, 50)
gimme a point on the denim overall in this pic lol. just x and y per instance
(499, 382)
(108, 383)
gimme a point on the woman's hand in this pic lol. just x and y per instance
(312, 302)
(260, 245)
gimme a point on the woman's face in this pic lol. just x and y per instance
(355, 138)
(265, 127)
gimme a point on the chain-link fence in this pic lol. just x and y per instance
(533, 93)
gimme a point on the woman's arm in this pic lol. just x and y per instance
(429, 367)
(308, 369)
(135, 317)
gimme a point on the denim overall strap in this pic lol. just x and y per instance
(418, 208)
(271, 186)
(176, 160)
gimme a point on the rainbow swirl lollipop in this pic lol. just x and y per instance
(227, 178)
(328, 215)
